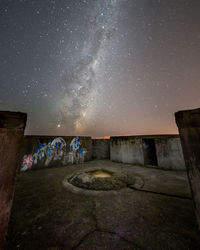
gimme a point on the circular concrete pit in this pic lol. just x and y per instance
(98, 180)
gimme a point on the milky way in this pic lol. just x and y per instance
(99, 68)
(79, 83)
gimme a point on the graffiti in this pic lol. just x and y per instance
(82, 155)
(76, 156)
(75, 143)
(53, 151)
(27, 162)
(57, 148)
(58, 143)
(48, 149)
(39, 152)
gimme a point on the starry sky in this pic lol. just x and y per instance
(99, 67)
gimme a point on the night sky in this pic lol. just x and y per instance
(99, 67)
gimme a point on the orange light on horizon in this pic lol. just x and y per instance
(108, 136)
(103, 137)
(126, 135)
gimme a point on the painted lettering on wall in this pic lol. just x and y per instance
(27, 162)
(75, 143)
(55, 150)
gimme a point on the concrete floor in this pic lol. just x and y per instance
(157, 213)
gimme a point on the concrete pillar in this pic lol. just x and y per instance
(12, 125)
(188, 123)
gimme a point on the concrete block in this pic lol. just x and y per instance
(12, 125)
(188, 123)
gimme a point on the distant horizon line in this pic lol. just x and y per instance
(106, 136)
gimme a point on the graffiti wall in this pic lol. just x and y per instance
(45, 151)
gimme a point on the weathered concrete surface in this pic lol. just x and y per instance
(169, 153)
(134, 150)
(12, 125)
(100, 148)
(188, 123)
(105, 240)
(148, 221)
(126, 149)
(46, 215)
(171, 183)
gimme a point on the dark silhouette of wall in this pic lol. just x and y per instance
(188, 123)
(12, 125)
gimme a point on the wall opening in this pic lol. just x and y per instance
(149, 150)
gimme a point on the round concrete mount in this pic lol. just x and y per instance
(84, 181)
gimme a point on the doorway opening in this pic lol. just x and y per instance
(149, 150)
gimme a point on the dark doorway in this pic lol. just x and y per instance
(149, 150)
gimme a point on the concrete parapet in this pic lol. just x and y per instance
(12, 125)
(188, 123)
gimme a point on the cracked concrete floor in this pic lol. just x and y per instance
(156, 215)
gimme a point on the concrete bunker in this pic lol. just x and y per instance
(159, 151)
(149, 151)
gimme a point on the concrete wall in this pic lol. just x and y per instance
(12, 125)
(101, 149)
(47, 151)
(131, 149)
(188, 122)
(169, 153)
(126, 149)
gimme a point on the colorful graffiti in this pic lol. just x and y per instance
(39, 152)
(27, 162)
(75, 143)
(74, 146)
(55, 150)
